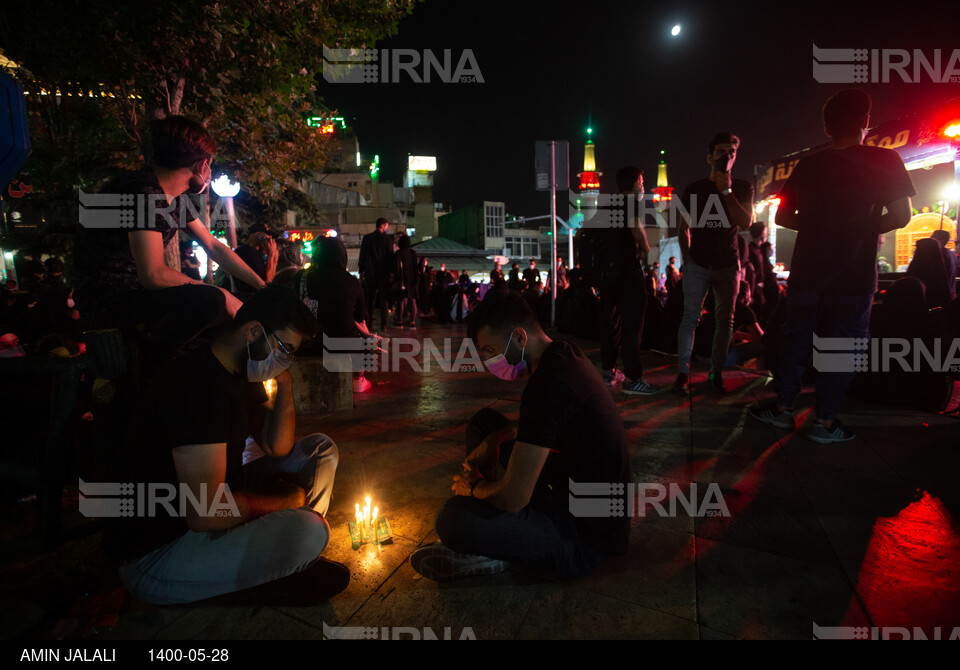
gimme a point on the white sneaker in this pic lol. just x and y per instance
(441, 564)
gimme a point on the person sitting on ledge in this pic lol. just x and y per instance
(569, 432)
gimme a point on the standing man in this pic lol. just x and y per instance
(835, 200)
(513, 277)
(672, 276)
(496, 274)
(532, 276)
(623, 297)
(375, 265)
(569, 429)
(716, 209)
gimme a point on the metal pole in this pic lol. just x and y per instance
(208, 279)
(553, 236)
(231, 223)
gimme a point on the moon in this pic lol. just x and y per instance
(675, 30)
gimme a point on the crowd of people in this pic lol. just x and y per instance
(722, 303)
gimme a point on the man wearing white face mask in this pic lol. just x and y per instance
(270, 525)
(123, 279)
(569, 429)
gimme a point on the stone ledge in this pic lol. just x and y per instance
(316, 389)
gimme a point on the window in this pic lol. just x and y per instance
(522, 247)
(493, 220)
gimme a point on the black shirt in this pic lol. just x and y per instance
(102, 257)
(228, 411)
(566, 408)
(713, 234)
(839, 197)
(376, 255)
(340, 301)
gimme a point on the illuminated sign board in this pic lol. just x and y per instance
(422, 163)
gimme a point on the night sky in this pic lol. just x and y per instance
(552, 69)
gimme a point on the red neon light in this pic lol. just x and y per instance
(663, 193)
(589, 180)
(326, 129)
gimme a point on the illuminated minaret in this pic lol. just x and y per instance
(589, 180)
(663, 193)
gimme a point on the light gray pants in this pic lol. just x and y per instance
(697, 280)
(202, 565)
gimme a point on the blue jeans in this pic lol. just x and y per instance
(200, 565)
(697, 280)
(827, 316)
(538, 534)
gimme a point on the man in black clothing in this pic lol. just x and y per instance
(623, 296)
(122, 279)
(835, 200)
(673, 276)
(569, 429)
(375, 265)
(228, 513)
(513, 278)
(717, 208)
(496, 274)
(532, 276)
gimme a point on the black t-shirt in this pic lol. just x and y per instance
(102, 257)
(839, 197)
(340, 302)
(713, 235)
(376, 255)
(228, 410)
(566, 408)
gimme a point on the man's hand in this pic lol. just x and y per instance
(485, 456)
(723, 180)
(463, 484)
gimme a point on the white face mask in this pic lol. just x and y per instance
(276, 362)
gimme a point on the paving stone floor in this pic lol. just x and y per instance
(862, 534)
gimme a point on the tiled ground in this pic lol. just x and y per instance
(860, 534)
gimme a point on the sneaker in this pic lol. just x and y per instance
(639, 387)
(441, 564)
(613, 377)
(361, 384)
(839, 432)
(680, 384)
(715, 380)
(768, 413)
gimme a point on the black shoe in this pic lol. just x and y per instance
(716, 383)
(680, 383)
(317, 584)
